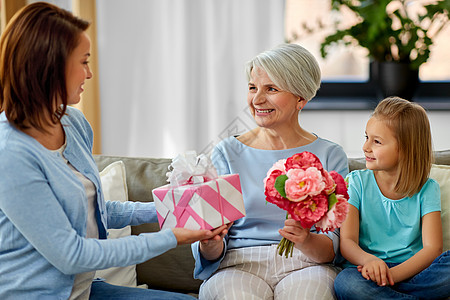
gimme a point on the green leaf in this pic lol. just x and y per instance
(332, 200)
(279, 185)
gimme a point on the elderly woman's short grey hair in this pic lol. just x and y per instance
(290, 67)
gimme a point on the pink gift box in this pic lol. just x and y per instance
(204, 205)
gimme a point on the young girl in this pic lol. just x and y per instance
(392, 237)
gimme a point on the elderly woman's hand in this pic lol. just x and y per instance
(317, 247)
(294, 232)
(212, 248)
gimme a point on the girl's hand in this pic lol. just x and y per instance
(188, 236)
(294, 231)
(377, 271)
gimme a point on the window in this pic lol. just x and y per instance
(345, 71)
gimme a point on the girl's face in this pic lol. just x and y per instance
(269, 105)
(381, 146)
(77, 69)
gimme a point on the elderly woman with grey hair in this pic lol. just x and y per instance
(244, 263)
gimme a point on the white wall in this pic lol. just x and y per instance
(347, 128)
(169, 84)
(172, 71)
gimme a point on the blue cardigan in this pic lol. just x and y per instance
(43, 211)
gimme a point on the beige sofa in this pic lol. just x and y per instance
(173, 270)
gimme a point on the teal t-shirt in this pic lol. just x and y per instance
(390, 229)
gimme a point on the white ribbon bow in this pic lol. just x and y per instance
(190, 168)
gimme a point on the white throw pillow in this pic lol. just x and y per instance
(441, 173)
(114, 184)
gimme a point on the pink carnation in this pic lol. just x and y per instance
(310, 210)
(303, 183)
(279, 165)
(303, 161)
(335, 216)
(341, 185)
(329, 182)
(271, 193)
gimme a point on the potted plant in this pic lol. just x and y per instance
(398, 40)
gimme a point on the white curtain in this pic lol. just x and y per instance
(172, 71)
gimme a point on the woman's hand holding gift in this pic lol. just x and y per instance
(189, 236)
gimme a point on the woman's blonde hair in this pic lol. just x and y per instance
(291, 67)
(410, 125)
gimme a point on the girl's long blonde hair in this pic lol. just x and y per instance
(410, 125)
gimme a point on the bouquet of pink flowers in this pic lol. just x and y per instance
(309, 194)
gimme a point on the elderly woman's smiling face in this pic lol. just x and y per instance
(270, 106)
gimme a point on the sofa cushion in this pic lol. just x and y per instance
(172, 270)
(442, 157)
(356, 164)
(113, 178)
(143, 174)
(441, 174)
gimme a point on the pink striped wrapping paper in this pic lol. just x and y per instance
(204, 205)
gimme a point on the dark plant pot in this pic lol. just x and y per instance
(395, 79)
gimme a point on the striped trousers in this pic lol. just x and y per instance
(260, 273)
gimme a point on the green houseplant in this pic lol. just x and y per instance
(398, 41)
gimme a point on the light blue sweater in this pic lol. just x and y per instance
(43, 211)
(263, 220)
